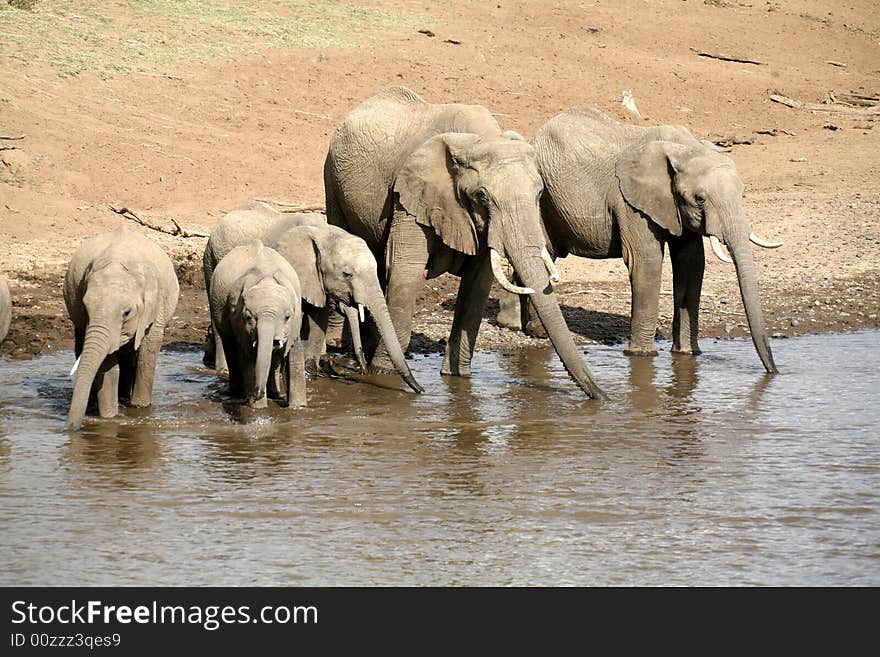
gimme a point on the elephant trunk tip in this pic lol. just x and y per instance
(412, 383)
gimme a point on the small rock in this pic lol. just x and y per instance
(793, 322)
(728, 328)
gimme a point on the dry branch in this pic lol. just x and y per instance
(12, 137)
(177, 231)
(833, 108)
(293, 207)
(729, 58)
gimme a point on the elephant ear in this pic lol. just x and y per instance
(426, 188)
(645, 173)
(150, 309)
(299, 248)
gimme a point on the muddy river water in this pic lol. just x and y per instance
(697, 472)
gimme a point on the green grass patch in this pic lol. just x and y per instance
(113, 37)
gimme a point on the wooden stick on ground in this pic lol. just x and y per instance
(729, 58)
(294, 207)
(177, 231)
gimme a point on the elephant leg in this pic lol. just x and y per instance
(688, 264)
(314, 335)
(145, 372)
(296, 375)
(128, 359)
(107, 387)
(407, 258)
(220, 363)
(473, 291)
(645, 265)
(510, 310)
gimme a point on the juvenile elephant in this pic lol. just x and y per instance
(120, 291)
(337, 269)
(238, 227)
(440, 188)
(5, 308)
(615, 190)
(255, 308)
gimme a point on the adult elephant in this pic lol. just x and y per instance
(5, 308)
(616, 190)
(337, 271)
(440, 188)
(120, 291)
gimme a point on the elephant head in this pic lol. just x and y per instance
(481, 197)
(265, 318)
(335, 266)
(121, 303)
(695, 188)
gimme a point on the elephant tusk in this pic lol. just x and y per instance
(502, 279)
(551, 266)
(717, 250)
(361, 312)
(74, 368)
(764, 243)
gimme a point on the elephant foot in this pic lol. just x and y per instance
(636, 351)
(262, 402)
(693, 351)
(462, 371)
(535, 329)
(510, 318)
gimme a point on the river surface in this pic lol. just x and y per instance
(698, 471)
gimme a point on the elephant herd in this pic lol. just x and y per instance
(414, 190)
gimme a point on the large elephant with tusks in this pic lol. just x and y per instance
(440, 188)
(615, 190)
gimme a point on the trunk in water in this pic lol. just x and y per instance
(95, 349)
(382, 318)
(748, 288)
(533, 273)
(265, 337)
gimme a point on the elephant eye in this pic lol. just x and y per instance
(348, 272)
(482, 195)
(287, 316)
(700, 197)
(126, 313)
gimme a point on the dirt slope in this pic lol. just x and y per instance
(192, 135)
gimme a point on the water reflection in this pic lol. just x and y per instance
(696, 471)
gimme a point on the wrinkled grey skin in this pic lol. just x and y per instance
(615, 190)
(337, 270)
(121, 291)
(255, 307)
(5, 308)
(238, 227)
(431, 188)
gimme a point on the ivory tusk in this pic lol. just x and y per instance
(361, 312)
(74, 368)
(764, 243)
(498, 271)
(551, 266)
(718, 251)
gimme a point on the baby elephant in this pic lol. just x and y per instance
(256, 310)
(337, 271)
(120, 291)
(5, 308)
(238, 227)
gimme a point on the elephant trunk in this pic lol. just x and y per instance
(265, 339)
(748, 286)
(533, 272)
(351, 316)
(379, 310)
(96, 347)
